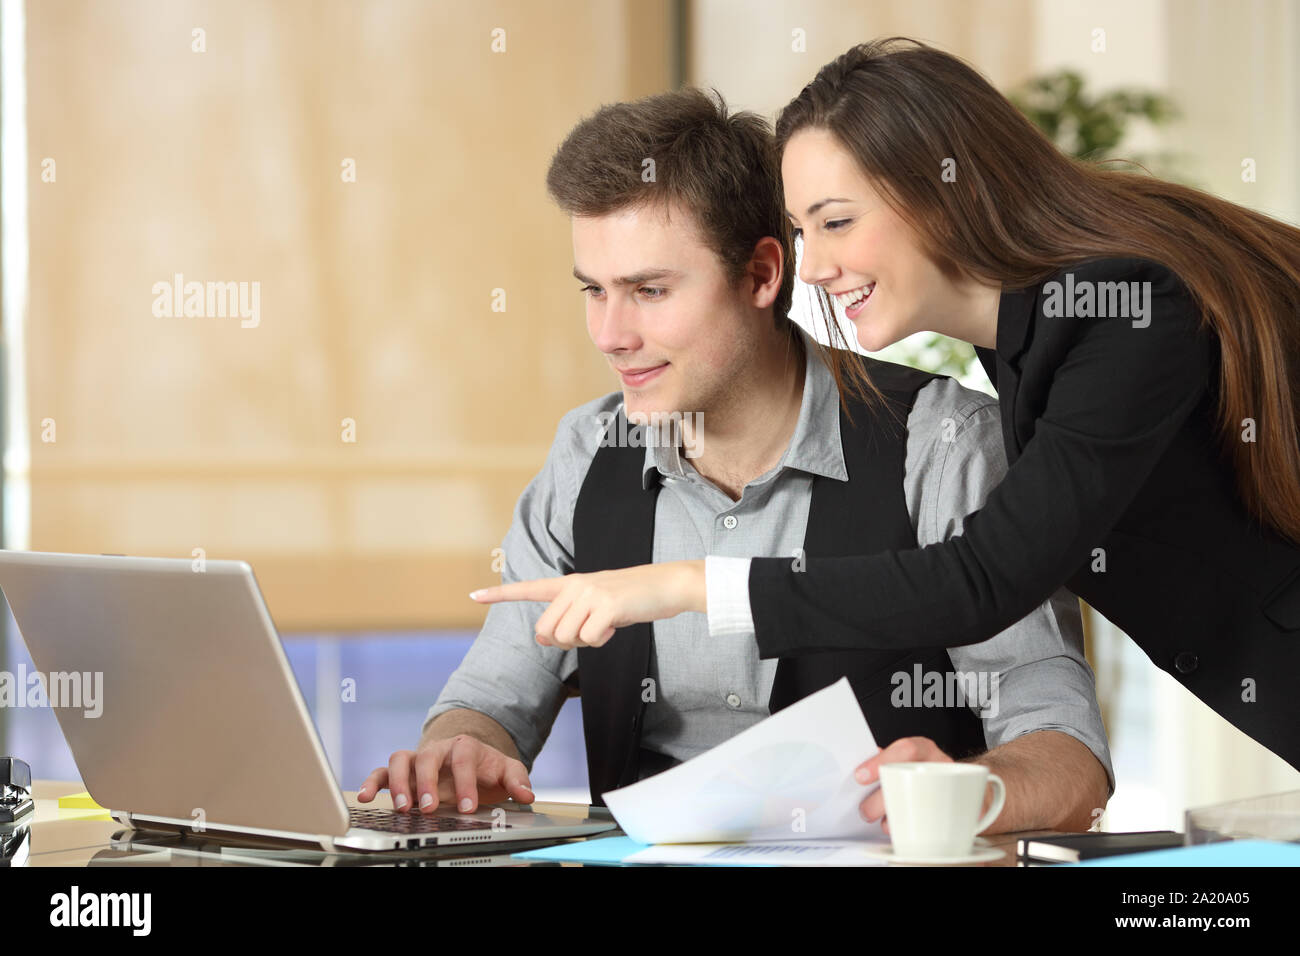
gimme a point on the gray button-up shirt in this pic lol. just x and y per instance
(709, 689)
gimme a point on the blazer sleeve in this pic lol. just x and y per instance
(1115, 402)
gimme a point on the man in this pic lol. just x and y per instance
(682, 246)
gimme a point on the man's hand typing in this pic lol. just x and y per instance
(459, 770)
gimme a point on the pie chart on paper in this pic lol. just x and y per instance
(764, 788)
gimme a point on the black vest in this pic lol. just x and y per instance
(613, 527)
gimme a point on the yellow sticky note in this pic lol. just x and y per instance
(78, 801)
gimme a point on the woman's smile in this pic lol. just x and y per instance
(855, 300)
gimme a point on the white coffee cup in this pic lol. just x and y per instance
(933, 809)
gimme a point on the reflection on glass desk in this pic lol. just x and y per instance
(57, 837)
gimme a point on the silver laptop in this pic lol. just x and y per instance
(176, 698)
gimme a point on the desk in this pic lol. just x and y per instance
(92, 838)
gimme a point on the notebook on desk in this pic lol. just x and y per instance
(1073, 847)
(182, 713)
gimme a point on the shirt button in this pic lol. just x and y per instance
(1186, 662)
(733, 701)
(729, 522)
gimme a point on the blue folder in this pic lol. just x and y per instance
(1228, 853)
(1231, 853)
(594, 850)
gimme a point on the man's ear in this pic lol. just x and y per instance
(766, 269)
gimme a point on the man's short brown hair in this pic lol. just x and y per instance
(682, 148)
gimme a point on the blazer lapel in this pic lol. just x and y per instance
(1014, 312)
(1014, 324)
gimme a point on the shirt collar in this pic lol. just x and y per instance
(815, 446)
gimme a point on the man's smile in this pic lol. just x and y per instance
(636, 377)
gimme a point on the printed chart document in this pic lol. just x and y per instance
(789, 777)
(763, 853)
(624, 850)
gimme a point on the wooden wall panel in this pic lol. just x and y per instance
(176, 433)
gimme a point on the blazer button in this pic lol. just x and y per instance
(1186, 662)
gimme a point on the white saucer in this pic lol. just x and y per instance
(981, 852)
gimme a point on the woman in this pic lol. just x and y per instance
(1144, 339)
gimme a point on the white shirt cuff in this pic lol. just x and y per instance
(726, 585)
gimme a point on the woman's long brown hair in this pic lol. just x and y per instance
(1022, 210)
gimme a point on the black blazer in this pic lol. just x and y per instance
(1116, 489)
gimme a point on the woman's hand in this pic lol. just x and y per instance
(585, 609)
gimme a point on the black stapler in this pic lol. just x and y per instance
(15, 790)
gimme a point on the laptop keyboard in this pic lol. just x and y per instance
(413, 821)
